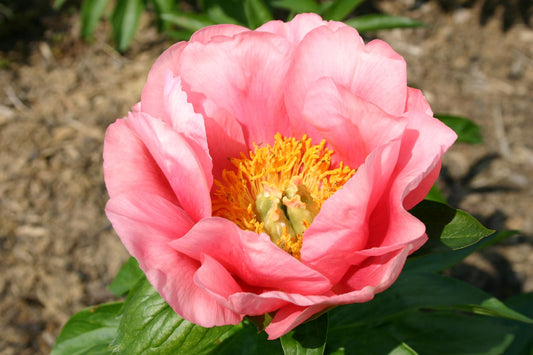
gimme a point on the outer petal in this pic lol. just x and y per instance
(425, 142)
(288, 318)
(129, 166)
(146, 224)
(374, 72)
(153, 91)
(175, 157)
(152, 97)
(295, 30)
(244, 76)
(341, 228)
(252, 258)
(352, 126)
(184, 120)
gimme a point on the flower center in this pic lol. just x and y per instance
(279, 189)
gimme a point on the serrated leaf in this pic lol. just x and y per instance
(89, 331)
(91, 12)
(149, 326)
(375, 22)
(257, 13)
(125, 19)
(189, 21)
(297, 6)
(128, 275)
(339, 9)
(467, 131)
(307, 339)
(448, 228)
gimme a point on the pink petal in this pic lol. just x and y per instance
(289, 317)
(341, 227)
(129, 166)
(352, 126)
(374, 72)
(153, 92)
(213, 33)
(146, 224)
(244, 76)
(425, 141)
(295, 30)
(177, 160)
(252, 258)
(417, 102)
(185, 121)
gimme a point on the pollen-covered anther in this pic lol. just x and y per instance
(279, 189)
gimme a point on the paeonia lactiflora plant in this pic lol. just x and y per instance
(269, 176)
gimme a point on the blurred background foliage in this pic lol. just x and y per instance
(179, 19)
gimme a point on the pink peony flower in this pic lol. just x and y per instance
(271, 171)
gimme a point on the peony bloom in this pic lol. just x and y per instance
(271, 171)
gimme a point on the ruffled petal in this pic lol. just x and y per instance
(152, 96)
(252, 258)
(244, 76)
(146, 224)
(295, 30)
(289, 317)
(352, 126)
(424, 143)
(374, 72)
(184, 120)
(341, 227)
(181, 167)
(129, 166)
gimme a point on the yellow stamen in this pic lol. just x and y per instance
(279, 189)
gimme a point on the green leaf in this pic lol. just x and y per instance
(435, 195)
(364, 340)
(163, 7)
(297, 6)
(418, 291)
(375, 22)
(339, 9)
(257, 13)
(430, 263)
(448, 228)
(128, 275)
(307, 339)
(443, 333)
(217, 14)
(89, 331)
(420, 311)
(189, 21)
(58, 3)
(149, 326)
(523, 343)
(247, 341)
(125, 19)
(467, 131)
(91, 12)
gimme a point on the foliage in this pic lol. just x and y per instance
(422, 312)
(181, 18)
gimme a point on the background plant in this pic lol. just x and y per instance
(181, 18)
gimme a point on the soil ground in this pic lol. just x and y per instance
(58, 94)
